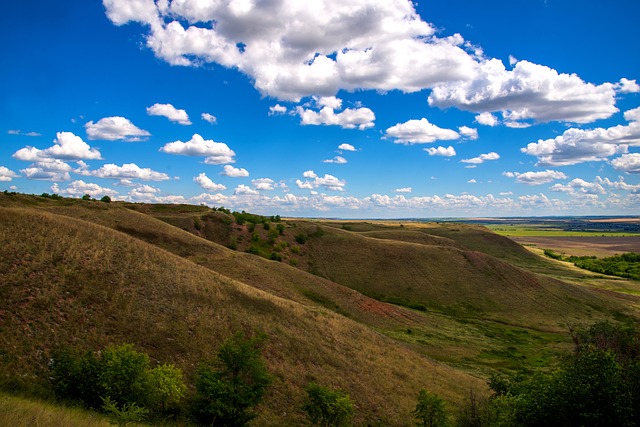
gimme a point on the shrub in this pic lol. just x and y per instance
(327, 407)
(106, 199)
(124, 375)
(301, 238)
(166, 386)
(130, 413)
(86, 197)
(430, 410)
(226, 391)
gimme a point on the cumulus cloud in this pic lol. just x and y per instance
(350, 118)
(627, 86)
(245, 190)
(234, 172)
(265, 184)
(536, 178)
(487, 119)
(48, 170)
(328, 182)
(528, 91)
(346, 147)
(629, 163)
(419, 132)
(206, 183)
(337, 159)
(115, 128)
(291, 50)
(468, 133)
(170, 112)
(441, 151)
(620, 184)
(209, 118)
(67, 146)
(482, 158)
(277, 109)
(7, 174)
(579, 186)
(216, 153)
(79, 188)
(128, 171)
(587, 145)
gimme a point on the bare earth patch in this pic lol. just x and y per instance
(583, 246)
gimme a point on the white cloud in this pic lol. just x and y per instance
(403, 190)
(350, 118)
(487, 119)
(265, 184)
(620, 184)
(128, 171)
(628, 86)
(337, 159)
(579, 186)
(418, 132)
(206, 183)
(535, 178)
(277, 109)
(115, 128)
(217, 153)
(629, 163)
(48, 170)
(67, 146)
(19, 132)
(482, 158)
(469, 133)
(346, 147)
(328, 182)
(244, 190)
(472, 181)
(79, 188)
(234, 172)
(304, 185)
(170, 112)
(291, 50)
(587, 145)
(209, 118)
(529, 91)
(6, 174)
(441, 151)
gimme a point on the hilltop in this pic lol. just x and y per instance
(379, 309)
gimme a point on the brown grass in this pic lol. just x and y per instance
(67, 282)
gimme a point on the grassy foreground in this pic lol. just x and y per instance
(23, 412)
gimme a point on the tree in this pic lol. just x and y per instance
(106, 199)
(167, 387)
(430, 410)
(86, 197)
(327, 407)
(228, 390)
(124, 375)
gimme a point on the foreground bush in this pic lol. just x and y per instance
(229, 387)
(327, 407)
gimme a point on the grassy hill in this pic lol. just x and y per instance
(377, 309)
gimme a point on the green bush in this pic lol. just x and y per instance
(106, 199)
(228, 389)
(430, 410)
(327, 407)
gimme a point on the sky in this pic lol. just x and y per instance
(326, 108)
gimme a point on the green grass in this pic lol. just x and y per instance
(530, 231)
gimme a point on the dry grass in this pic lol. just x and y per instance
(67, 282)
(20, 412)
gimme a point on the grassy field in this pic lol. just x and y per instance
(22, 412)
(543, 231)
(363, 305)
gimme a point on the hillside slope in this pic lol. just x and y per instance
(67, 282)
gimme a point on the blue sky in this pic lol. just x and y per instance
(367, 108)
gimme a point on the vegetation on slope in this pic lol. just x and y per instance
(68, 283)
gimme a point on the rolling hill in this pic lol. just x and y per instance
(380, 310)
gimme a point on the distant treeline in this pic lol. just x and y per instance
(626, 265)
